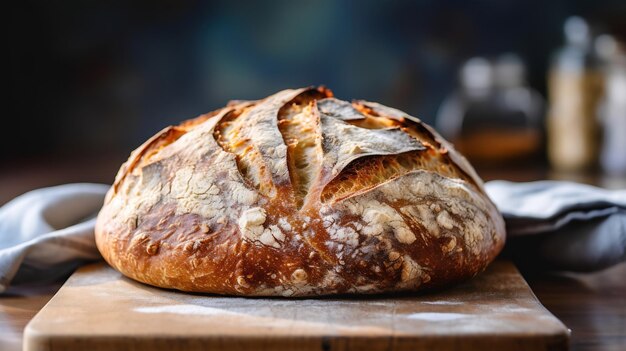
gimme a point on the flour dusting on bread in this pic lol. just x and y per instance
(298, 194)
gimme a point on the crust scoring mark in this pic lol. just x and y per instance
(343, 143)
(339, 109)
(423, 131)
(145, 154)
(250, 164)
(299, 125)
(368, 172)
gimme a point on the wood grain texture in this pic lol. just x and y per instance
(18, 305)
(592, 305)
(98, 309)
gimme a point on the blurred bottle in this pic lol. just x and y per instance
(574, 89)
(612, 110)
(493, 116)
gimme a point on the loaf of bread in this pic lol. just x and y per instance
(298, 194)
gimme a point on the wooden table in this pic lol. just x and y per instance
(495, 310)
(592, 305)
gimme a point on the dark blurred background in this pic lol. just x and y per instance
(89, 81)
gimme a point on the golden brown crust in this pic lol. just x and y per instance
(298, 194)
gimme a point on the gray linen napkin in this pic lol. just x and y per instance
(562, 225)
(46, 233)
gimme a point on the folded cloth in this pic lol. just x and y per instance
(47, 233)
(562, 225)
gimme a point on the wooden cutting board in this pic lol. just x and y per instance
(98, 309)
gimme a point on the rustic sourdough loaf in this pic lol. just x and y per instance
(298, 194)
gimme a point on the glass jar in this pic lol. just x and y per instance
(494, 116)
(574, 90)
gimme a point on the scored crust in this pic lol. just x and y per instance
(298, 194)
